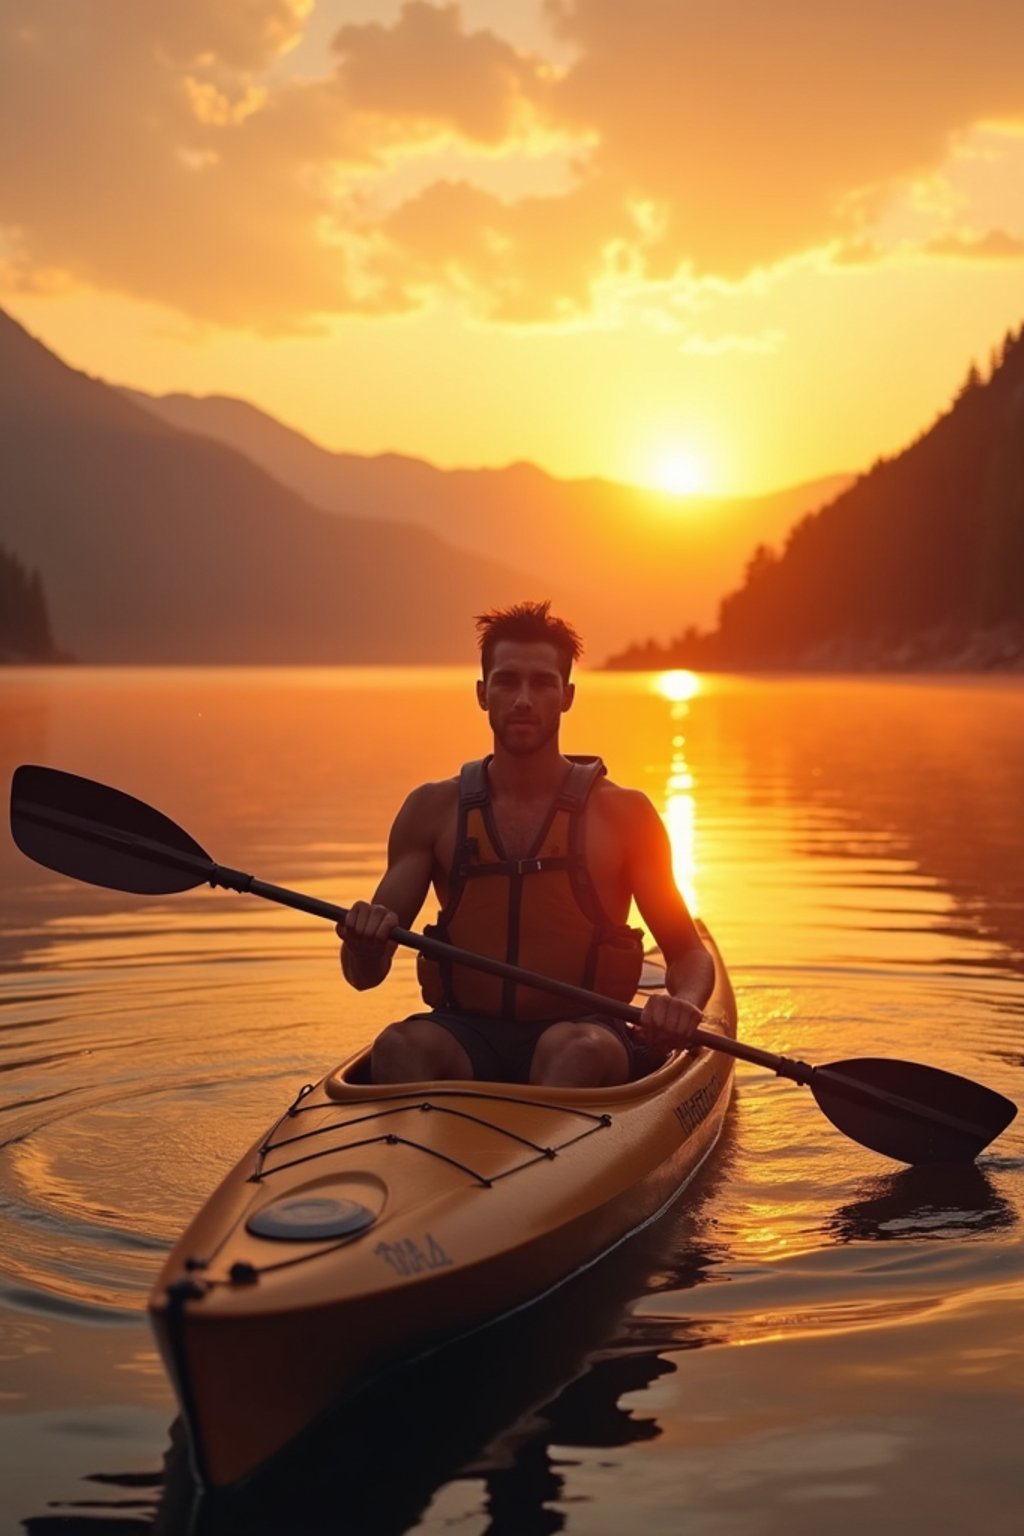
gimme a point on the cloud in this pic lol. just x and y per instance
(425, 69)
(532, 261)
(858, 252)
(995, 245)
(763, 128)
(126, 160)
(765, 342)
(165, 151)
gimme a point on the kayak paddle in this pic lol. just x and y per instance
(912, 1113)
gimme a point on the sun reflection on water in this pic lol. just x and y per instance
(680, 813)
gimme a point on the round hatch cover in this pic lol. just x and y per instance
(311, 1218)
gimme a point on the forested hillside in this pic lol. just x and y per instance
(920, 562)
(24, 620)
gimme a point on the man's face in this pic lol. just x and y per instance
(524, 695)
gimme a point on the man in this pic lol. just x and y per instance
(535, 858)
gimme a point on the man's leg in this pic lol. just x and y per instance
(418, 1051)
(579, 1055)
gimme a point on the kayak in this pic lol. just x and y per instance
(373, 1224)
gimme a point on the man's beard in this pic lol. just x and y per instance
(525, 745)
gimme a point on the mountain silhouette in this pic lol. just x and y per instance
(630, 554)
(917, 564)
(156, 545)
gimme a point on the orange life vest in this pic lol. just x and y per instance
(541, 912)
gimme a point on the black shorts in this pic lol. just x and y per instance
(501, 1050)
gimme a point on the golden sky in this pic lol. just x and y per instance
(760, 239)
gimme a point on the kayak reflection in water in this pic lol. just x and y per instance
(535, 858)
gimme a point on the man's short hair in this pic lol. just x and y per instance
(528, 623)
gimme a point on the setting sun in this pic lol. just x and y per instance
(681, 473)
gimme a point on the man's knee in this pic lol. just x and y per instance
(418, 1051)
(581, 1056)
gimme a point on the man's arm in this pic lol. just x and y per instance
(669, 1018)
(367, 948)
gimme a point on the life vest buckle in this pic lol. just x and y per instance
(528, 866)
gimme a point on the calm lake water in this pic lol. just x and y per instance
(819, 1340)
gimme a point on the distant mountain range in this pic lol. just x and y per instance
(918, 564)
(183, 530)
(618, 553)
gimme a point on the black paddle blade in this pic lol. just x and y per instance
(99, 835)
(911, 1113)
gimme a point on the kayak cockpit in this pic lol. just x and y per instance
(354, 1078)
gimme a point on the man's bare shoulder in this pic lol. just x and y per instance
(426, 814)
(430, 801)
(624, 806)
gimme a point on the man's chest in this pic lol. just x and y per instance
(518, 831)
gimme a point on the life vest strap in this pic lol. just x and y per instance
(473, 783)
(516, 868)
(579, 781)
(572, 796)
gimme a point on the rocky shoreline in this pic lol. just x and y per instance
(998, 649)
(9, 658)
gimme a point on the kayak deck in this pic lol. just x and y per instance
(371, 1224)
